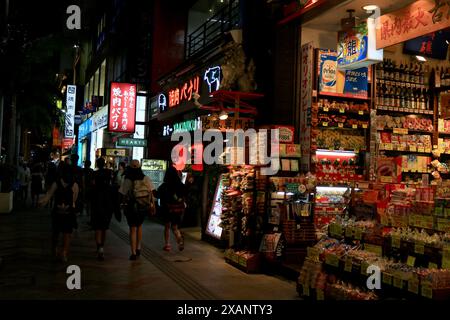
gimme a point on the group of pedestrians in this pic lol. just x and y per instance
(30, 179)
(103, 193)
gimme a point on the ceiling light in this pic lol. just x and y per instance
(223, 115)
(420, 58)
(447, 41)
(370, 7)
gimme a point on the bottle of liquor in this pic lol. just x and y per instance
(426, 76)
(403, 102)
(397, 97)
(392, 70)
(412, 76)
(417, 98)
(443, 81)
(421, 75)
(427, 100)
(412, 99)
(402, 72)
(396, 72)
(447, 77)
(378, 71)
(406, 73)
(422, 101)
(381, 96)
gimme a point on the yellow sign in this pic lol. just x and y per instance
(411, 261)
(116, 152)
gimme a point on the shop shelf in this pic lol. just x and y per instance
(402, 84)
(405, 110)
(409, 130)
(352, 112)
(341, 95)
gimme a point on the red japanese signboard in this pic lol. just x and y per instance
(122, 108)
(185, 92)
(417, 19)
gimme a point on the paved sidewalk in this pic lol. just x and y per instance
(28, 271)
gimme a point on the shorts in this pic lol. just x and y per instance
(64, 223)
(135, 218)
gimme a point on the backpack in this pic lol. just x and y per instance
(140, 196)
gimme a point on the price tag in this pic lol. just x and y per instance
(411, 261)
(326, 109)
(428, 150)
(397, 282)
(413, 148)
(364, 126)
(387, 279)
(358, 234)
(349, 232)
(348, 264)
(419, 248)
(364, 266)
(354, 126)
(427, 290)
(388, 146)
(306, 290)
(341, 110)
(373, 248)
(360, 112)
(325, 124)
(413, 286)
(320, 295)
(400, 131)
(332, 260)
(395, 242)
(432, 265)
(340, 125)
(420, 149)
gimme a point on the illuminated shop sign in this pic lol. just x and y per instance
(357, 47)
(122, 110)
(131, 142)
(212, 78)
(419, 18)
(185, 126)
(209, 80)
(69, 124)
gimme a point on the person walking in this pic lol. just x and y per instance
(65, 191)
(78, 176)
(36, 184)
(102, 208)
(137, 202)
(171, 194)
(86, 189)
(24, 177)
(118, 178)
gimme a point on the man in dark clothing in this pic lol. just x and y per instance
(78, 178)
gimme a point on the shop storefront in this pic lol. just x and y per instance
(373, 100)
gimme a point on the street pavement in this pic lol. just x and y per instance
(29, 271)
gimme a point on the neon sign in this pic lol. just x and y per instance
(162, 102)
(185, 92)
(212, 78)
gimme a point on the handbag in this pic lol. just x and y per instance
(177, 208)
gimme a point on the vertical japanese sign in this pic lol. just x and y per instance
(122, 108)
(307, 66)
(69, 123)
(417, 19)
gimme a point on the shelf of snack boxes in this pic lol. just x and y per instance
(243, 260)
(398, 278)
(410, 149)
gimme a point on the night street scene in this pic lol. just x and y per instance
(244, 151)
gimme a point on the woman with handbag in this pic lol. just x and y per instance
(171, 195)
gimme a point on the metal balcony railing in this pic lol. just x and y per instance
(215, 27)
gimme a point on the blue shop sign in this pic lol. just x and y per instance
(85, 128)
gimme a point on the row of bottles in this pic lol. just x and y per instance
(392, 96)
(443, 76)
(413, 73)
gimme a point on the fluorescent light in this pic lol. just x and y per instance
(223, 115)
(280, 193)
(370, 7)
(420, 58)
(331, 189)
(335, 153)
(447, 41)
(226, 140)
(290, 194)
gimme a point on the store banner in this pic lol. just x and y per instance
(100, 119)
(57, 139)
(67, 143)
(357, 47)
(131, 142)
(307, 72)
(345, 83)
(419, 18)
(85, 128)
(69, 123)
(209, 122)
(122, 109)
